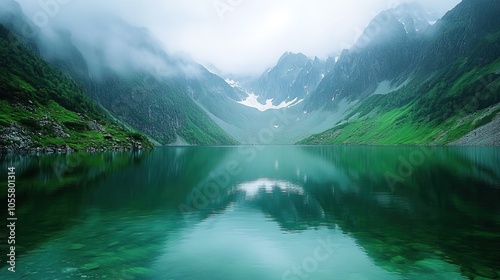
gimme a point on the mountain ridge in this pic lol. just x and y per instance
(451, 89)
(292, 78)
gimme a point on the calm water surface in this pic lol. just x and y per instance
(277, 212)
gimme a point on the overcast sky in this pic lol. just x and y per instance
(238, 36)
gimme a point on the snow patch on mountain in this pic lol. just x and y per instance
(232, 83)
(252, 101)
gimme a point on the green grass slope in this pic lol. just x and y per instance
(435, 109)
(40, 107)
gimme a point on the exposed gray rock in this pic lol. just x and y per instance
(486, 135)
(94, 125)
(15, 138)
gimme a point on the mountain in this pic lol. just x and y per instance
(381, 56)
(160, 101)
(42, 109)
(414, 17)
(125, 69)
(432, 87)
(169, 97)
(291, 80)
(409, 79)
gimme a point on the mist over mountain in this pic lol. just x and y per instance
(399, 61)
(127, 71)
(43, 109)
(225, 38)
(382, 53)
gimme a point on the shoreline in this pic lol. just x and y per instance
(68, 150)
(65, 149)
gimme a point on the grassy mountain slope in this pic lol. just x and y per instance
(40, 107)
(440, 113)
(454, 88)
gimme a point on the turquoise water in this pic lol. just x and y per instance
(275, 212)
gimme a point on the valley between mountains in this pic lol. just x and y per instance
(410, 79)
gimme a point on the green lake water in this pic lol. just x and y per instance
(257, 212)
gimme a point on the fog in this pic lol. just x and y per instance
(236, 36)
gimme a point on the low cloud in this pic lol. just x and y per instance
(237, 36)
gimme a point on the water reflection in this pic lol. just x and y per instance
(246, 212)
(50, 190)
(285, 202)
(436, 219)
(252, 189)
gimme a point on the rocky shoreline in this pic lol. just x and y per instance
(486, 135)
(63, 149)
(16, 139)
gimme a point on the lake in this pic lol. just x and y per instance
(256, 212)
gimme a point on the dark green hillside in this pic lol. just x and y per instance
(40, 107)
(158, 108)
